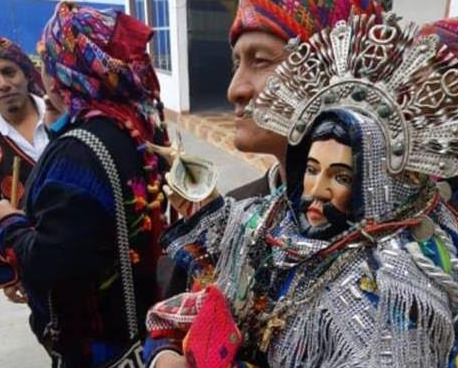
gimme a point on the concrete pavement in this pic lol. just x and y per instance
(218, 129)
(233, 171)
(19, 348)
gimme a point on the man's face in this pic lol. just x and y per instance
(328, 178)
(13, 88)
(255, 57)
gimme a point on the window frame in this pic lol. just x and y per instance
(133, 6)
(150, 22)
(448, 9)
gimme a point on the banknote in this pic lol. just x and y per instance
(192, 177)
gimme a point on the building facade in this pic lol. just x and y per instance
(189, 49)
(422, 11)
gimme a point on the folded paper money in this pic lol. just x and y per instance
(192, 177)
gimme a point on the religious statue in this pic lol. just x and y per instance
(353, 263)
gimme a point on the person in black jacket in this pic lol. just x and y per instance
(64, 247)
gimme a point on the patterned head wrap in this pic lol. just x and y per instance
(290, 18)
(12, 52)
(100, 63)
(447, 31)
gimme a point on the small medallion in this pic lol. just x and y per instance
(424, 230)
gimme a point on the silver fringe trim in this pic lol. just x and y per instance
(413, 328)
(314, 340)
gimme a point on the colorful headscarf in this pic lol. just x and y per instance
(447, 31)
(100, 63)
(387, 5)
(290, 18)
(101, 68)
(12, 52)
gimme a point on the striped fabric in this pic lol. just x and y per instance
(447, 31)
(290, 18)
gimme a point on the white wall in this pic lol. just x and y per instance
(454, 8)
(421, 11)
(175, 86)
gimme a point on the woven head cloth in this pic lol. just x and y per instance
(447, 31)
(290, 18)
(12, 52)
(98, 60)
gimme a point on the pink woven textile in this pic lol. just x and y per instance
(213, 339)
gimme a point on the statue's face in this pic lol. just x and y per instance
(328, 178)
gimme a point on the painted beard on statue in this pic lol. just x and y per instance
(321, 187)
(336, 220)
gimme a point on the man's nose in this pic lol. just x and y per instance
(241, 89)
(5, 86)
(321, 189)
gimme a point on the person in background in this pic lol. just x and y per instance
(68, 248)
(22, 111)
(22, 130)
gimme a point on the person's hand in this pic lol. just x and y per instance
(170, 360)
(16, 293)
(7, 209)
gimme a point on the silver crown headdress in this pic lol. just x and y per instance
(407, 82)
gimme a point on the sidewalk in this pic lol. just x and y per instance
(19, 347)
(218, 129)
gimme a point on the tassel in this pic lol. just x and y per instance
(134, 256)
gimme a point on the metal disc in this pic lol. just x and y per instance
(424, 230)
(445, 190)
